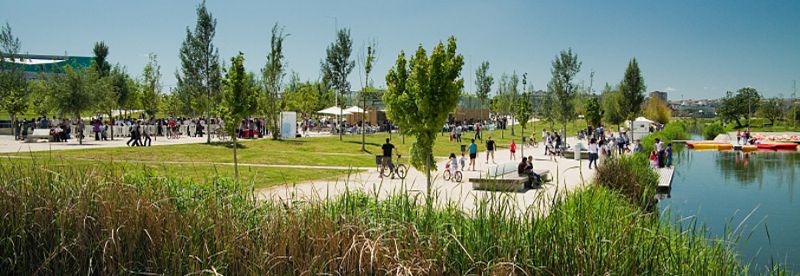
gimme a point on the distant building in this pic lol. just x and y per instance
(33, 65)
(659, 94)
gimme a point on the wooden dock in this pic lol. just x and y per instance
(665, 177)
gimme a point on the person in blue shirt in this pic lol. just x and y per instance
(473, 153)
(669, 155)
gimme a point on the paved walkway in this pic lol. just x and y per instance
(567, 174)
(7, 143)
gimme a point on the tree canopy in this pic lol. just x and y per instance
(632, 91)
(562, 85)
(422, 91)
(740, 105)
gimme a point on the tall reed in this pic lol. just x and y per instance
(67, 220)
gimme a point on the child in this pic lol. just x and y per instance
(653, 159)
(453, 164)
(513, 150)
(463, 160)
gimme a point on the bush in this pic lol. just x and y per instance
(673, 131)
(631, 176)
(710, 131)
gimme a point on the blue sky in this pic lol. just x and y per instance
(692, 49)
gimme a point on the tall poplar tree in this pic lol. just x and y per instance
(151, 88)
(272, 75)
(368, 63)
(632, 92)
(483, 83)
(199, 76)
(562, 86)
(337, 66)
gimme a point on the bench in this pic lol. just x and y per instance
(570, 154)
(504, 177)
(38, 134)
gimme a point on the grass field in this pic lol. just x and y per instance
(262, 177)
(323, 151)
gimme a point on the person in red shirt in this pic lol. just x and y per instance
(513, 147)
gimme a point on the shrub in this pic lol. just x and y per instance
(672, 131)
(631, 176)
(711, 130)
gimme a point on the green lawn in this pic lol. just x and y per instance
(322, 151)
(263, 177)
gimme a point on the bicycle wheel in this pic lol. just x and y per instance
(446, 175)
(458, 176)
(387, 172)
(401, 171)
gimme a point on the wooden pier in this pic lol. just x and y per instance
(665, 177)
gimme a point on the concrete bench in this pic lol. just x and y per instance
(570, 154)
(38, 134)
(504, 177)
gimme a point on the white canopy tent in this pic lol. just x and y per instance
(353, 109)
(333, 110)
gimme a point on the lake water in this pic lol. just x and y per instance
(721, 188)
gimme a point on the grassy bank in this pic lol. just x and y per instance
(62, 219)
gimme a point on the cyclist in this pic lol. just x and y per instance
(452, 165)
(387, 157)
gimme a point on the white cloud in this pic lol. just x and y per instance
(669, 89)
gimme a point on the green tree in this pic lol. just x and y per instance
(657, 110)
(772, 109)
(200, 73)
(421, 93)
(151, 87)
(562, 86)
(369, 60)
(272, 75)
(483, 82)
(42, 106)
(609, 101)
(101, 65)
(524, 110)
(13, 85)
(238, 101)
(594, 114)
(337, 66)
(74, 91)
(743, 104)
(632, 92)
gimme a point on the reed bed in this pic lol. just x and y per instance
(66, 220)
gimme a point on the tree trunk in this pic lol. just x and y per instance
(235, 161)
(512, 125)
(208, 110)
(522, 144)
(363, 121)
(428, 173)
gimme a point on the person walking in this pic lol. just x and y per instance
(146, 132)
(133, 131)
(490, 146)
(458, 133)
(513, 148)
(593, 149)
(473, 153)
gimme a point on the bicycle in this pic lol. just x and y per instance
(448, 175)
(532, 142)
(400, 170)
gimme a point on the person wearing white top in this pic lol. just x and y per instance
(593, 149)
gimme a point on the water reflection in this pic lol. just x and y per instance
(722, 188)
